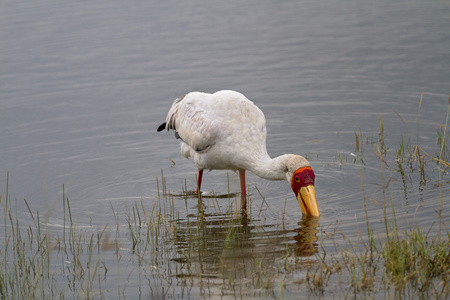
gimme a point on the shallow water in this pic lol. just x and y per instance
(83, 88)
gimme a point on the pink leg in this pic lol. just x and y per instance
(242, 178)
(243, 191)
(199, 180)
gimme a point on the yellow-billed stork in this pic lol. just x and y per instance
(225, 130)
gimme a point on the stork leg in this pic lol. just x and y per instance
(199, 180)
(243, 190)
(242, 178)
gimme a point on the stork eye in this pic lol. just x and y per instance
(297, 179)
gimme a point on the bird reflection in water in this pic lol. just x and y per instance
(306, 237)
(230, 248)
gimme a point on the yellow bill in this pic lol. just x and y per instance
(307, 200)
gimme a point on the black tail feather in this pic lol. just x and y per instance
(162, 127)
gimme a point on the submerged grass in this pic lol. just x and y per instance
(157, 251)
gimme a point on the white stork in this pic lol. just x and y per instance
(225, 130)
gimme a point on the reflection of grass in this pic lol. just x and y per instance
(213, 250)
(27, 260)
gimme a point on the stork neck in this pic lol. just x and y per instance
(271, 168)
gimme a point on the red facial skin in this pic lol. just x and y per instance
(301, 178)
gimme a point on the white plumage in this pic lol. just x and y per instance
(225, 130)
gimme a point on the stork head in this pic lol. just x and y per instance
(302, 184)
(301, 177)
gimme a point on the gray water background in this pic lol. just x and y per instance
(83, 87)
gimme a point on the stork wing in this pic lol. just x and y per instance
(191, 122)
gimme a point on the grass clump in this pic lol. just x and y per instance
(417, 260)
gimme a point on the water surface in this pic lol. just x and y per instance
(83, 88)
